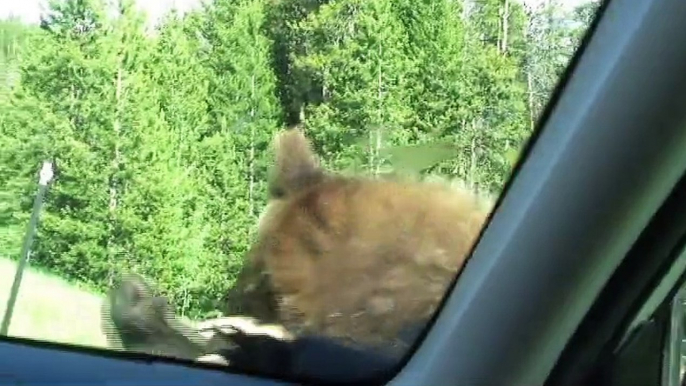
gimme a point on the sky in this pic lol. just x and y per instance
(29, 10)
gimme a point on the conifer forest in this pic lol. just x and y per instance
(161, 131)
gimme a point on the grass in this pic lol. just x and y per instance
(49, 308)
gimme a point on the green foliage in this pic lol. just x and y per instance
(162, 137)
(13, 37)
(355, 51)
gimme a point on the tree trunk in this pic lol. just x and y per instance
(251, 166)
(376, 165)
(472, 163)
(113, 180)
(505, 15)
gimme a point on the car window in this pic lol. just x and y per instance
(675, 344)
(656, 336)
(287, 187)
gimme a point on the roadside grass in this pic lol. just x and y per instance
(52, 309)
(49, 308)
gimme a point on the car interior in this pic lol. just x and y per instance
(575, 279)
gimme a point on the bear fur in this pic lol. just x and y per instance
(361, 259)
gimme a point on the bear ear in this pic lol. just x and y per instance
(296, 167)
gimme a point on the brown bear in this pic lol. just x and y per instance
(366, 260)
(137, 321)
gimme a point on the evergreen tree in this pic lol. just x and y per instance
(162, 137)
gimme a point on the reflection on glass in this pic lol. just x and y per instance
(255, 246)
(681, 342)
(674, 345)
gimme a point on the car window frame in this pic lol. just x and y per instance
(584, 168)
